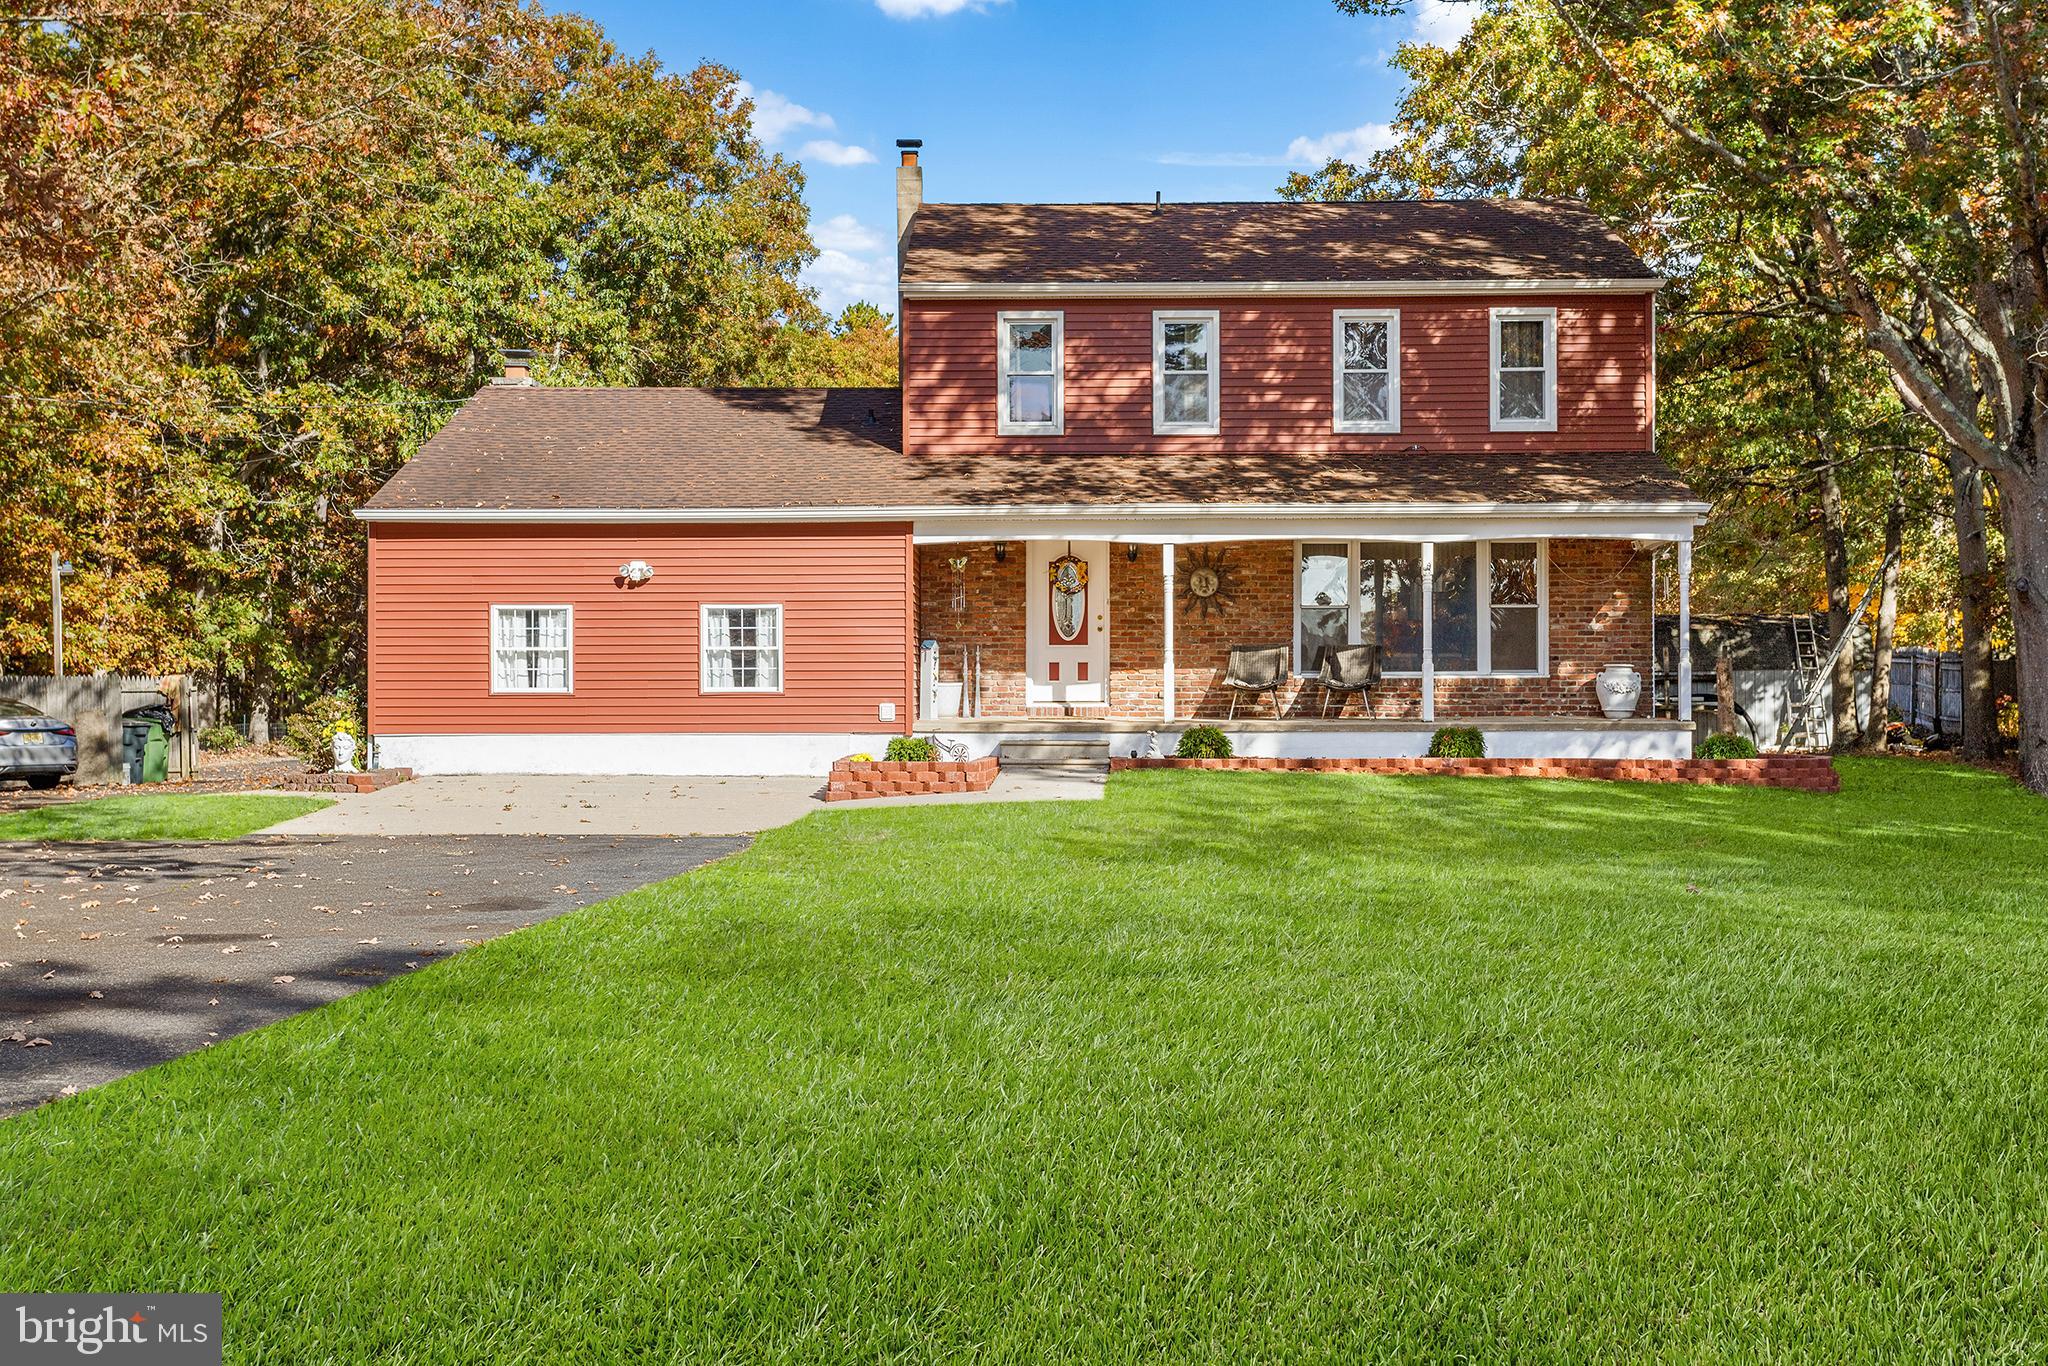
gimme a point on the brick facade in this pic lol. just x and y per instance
(1599, 615)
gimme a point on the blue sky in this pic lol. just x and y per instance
(1036, 99)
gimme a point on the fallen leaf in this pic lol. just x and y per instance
(94, 935)
(232, 948)
(96, 996)
(284, 979)
(37, 1042)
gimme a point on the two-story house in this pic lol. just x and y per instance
(1129, 438)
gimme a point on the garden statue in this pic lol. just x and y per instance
(344, 752)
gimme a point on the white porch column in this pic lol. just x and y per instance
(1428, 631)
(1166, 584)
(1684, 630)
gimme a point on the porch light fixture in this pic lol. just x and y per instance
(1131, 553)
(636, 572)
(1002, 551)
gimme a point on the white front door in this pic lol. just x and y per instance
(1066, 622)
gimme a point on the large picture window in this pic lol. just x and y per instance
(530, 649)
(742, 649)
(1185, 370)
(1031, 350)
(1367, 392)
(1486, 607)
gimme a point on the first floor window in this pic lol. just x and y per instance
(743, 649)
(530, 649)
(1486, 605)
(1031, 360)
(1513, 607)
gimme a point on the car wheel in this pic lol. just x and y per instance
(43, 782)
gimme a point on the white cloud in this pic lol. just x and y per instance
(776, 116)
(1352, 144)
(1441, 23)
(844, 232)
(929, 9)
(835, 153)
(854, 262)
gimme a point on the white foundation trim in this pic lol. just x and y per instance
(1380, 742)
(701, 754)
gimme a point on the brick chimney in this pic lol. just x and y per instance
(518, 366)
(909, 190)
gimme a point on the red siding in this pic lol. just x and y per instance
(847, 608)
(1276, 376)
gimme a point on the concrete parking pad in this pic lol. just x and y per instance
(124, 955)
(548, 804)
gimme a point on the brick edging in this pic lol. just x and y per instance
(1806, 772)
(853, 779)
(371, 781)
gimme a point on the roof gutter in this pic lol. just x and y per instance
(1078, 512)
(1235, 289)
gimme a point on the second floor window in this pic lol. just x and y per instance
(1031, 362)
(1368, 381)
(1524, 370)
(1184, 374)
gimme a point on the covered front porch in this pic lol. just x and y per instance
(1119, 627)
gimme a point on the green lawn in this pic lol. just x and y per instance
(1230, 1066)
(190, 817)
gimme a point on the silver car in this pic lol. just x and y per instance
(35, 747)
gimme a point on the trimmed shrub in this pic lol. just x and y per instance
(1726, 747)
(1457, 742)
(312, 729)
(910, 749)
(1203, 742)
(219, 737)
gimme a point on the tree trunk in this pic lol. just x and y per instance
(1974, 588)
(1834, 537)
(2025, 510)
(1887, 619)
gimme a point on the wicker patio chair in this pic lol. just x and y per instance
(1352, 670)
(1255, 669)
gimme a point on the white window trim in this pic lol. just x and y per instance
(704, 611)
(1484, 551)
(568, 648)
(1392, 318)
(1548, 317)
(1058, 425)
(1213, 318)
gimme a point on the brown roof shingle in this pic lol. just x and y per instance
(527, 447)
(1323, 243)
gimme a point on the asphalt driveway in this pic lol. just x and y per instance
(118, 956)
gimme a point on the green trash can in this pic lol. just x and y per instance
(156, 754)
(146, 744)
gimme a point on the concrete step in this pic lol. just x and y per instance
(1076, 754)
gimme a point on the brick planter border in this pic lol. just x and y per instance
(372, 781)
(1805, 772)
(852, 779)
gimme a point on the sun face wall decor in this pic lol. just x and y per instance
(1209, 587)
